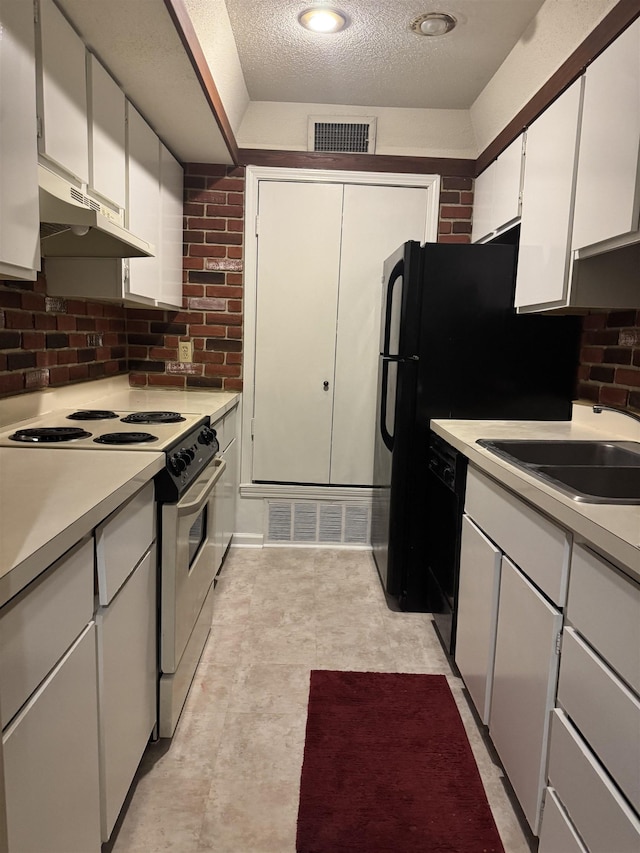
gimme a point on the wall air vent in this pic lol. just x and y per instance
(342, 134)
(318, 522)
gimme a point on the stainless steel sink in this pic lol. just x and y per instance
(589, 471)
(611, 485)
(567, 452)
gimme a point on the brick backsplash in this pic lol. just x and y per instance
(609, 369)
(50, 341)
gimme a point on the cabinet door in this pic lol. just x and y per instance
(477, 614)
(143, 204)
(525, 672)
(482, 225)
(496, 200)
(62, 93)
(297, 298)
(51, 760)
(607, 185)
(171, 240)
(19, 210)
(107, 134)
(127, 670)
(375, 221)
(547, 203)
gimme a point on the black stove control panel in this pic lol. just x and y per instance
(185, 461)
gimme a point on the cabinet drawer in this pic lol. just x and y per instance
(605, 711)
(558, 835)
(38, 625)
(122, 540)
(604, 606)
(601, 816)
(535, 544)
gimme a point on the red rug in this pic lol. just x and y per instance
(388, 767)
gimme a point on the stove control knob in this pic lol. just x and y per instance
(177, 464)
(206, 436)
(186, 456)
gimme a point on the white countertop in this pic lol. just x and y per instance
(614, 530)
(45, 508)
(115, 393)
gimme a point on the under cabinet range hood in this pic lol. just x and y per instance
(72, 225)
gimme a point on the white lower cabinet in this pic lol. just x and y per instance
(126, 685)
(478, 594)
(514, 567)
(524, 682)
(600, 814)
(594, 754)
(51, 760)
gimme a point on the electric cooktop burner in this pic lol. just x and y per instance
(125, 438)
(49, 434)
(91, 415)
(153, 418)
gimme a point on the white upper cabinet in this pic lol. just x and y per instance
(62, 93)
(171, 216)
(106, 135)
(497, 195)
(143, 204)
(19, 212)
(607, 201)
(547, 204)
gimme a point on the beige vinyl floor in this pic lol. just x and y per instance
(228, 781)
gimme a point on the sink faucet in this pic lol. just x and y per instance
(598, 409)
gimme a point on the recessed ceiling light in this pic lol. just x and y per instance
(322, 20)
(433, 24)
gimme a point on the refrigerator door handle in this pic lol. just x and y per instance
(396, 275)
(387, 438)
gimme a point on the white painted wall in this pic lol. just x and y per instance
(558, 29)
(408, 132)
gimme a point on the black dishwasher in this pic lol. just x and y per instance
(446, 481)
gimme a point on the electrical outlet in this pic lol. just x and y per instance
(185, 351)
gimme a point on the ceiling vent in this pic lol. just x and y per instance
(342, 134)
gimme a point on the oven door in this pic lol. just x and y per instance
(187, 564)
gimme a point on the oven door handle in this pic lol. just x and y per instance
(185, 507)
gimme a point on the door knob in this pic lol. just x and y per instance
(325, 385)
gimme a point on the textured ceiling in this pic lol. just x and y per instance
(377, 60)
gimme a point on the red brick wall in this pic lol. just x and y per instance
(211, 315)
(456, 208)
(55, 341)
(610, 359)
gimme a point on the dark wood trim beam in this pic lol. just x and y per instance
(193, 49)
(618, 19)
(449, 166)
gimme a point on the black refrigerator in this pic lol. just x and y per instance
(451, 346)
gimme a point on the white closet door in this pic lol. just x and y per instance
(376, 220)
(297, 275)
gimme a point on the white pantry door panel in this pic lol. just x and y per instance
(376, 220)
(297, 291)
